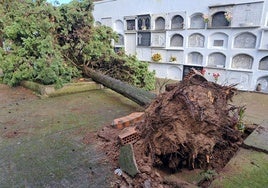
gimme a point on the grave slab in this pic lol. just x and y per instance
(69, 88)
(258, 139)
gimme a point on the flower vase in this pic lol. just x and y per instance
(206, 25)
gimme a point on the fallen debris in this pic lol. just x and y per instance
(128, 135)
(191, 125)
(127, 121)
(135, 94)
(127, 161)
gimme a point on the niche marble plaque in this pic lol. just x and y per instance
(248, 14)
(196, 40)
(245, 40)
(217, 60)
(242, 61)
(158, 39)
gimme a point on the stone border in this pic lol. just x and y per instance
(50, 91)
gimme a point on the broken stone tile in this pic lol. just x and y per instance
(127, 160)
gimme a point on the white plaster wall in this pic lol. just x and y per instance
(114, 10)
(144, 54)
(136, 7)
(169, 71)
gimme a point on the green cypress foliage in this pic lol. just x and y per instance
(49, 44)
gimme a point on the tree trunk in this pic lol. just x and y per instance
(138, 95)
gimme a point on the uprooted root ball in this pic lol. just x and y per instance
(190, 125)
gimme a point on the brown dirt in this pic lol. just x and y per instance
(12, 134)
(14, 95)
(191, 125)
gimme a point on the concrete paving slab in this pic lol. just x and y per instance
(258, 139)
(50, 142)
(245, 170)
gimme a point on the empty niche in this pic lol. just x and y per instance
(218, 40)
(119, 25)
(176, 40)
(197, 21)
(263, 65)
(177, 22)
(219, 20)
(242, 61)
(160, 23)
(120, 40)
(216, 60)
(195, 58)
(245, 40)
(196, 40)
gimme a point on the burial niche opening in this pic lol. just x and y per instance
(197, 21)
(177, 22)
(264, 64)
(219, 20)
(176, 40)
(160, 23)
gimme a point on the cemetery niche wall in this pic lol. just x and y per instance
(231, 38)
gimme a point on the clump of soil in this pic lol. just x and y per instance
(191, 125)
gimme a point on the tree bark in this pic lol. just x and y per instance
(137, 95)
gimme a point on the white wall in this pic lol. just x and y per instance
(114, 10)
